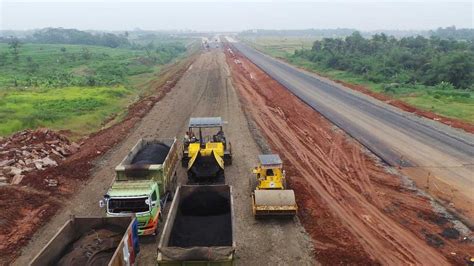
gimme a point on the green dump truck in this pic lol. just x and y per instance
(109, 241)
(145, 181)
(199, 229)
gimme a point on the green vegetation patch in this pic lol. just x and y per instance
(79, 109)
(430, 73)
(280, 47)
(75, 87)
(63, 65)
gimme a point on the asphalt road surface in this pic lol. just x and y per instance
(423, 147)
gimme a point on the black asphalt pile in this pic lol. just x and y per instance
(153, 153)
(205, 168)
(203, 220)
(32, 150)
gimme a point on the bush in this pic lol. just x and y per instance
(444, 86)
(434, 62)
(450, 94)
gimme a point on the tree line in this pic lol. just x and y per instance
(386, 59)
(340, 32)
(73, 36)
(453, 33)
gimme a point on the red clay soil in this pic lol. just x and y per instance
(69, 173)
(22, 212)
(355, 212)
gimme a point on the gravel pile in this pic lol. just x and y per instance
(32, 150)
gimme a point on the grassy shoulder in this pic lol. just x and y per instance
(280, 47)
(73, 87)
(441, 100)
(79, 109)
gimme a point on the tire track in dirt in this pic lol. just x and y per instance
(351, 207)
(256, 241)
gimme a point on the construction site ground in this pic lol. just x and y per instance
(356, 209)
(204, 90)
(353, 209)
(436, 156)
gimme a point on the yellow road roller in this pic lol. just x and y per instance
(206, 150)
(270, 196)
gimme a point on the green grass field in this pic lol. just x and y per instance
(447, 102)
(79, 109)
(71, 87)
(280, 47)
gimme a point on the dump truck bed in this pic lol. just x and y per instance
(152, 159)
(199, 227)
(118, 240)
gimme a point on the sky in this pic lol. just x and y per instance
(234, 15)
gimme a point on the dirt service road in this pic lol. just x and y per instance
(205, 89)
(430, 152)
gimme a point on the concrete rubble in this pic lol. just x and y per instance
(32, 150)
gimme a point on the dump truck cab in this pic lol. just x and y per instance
(145, 180)
(139, 198)
(205, 149)
(270, 197)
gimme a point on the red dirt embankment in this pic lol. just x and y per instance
(25, 209)
(354, 210)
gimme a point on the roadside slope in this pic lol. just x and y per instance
(428, 151)
(355, 211)
(18, 224)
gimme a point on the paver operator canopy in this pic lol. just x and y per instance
(201, 123)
